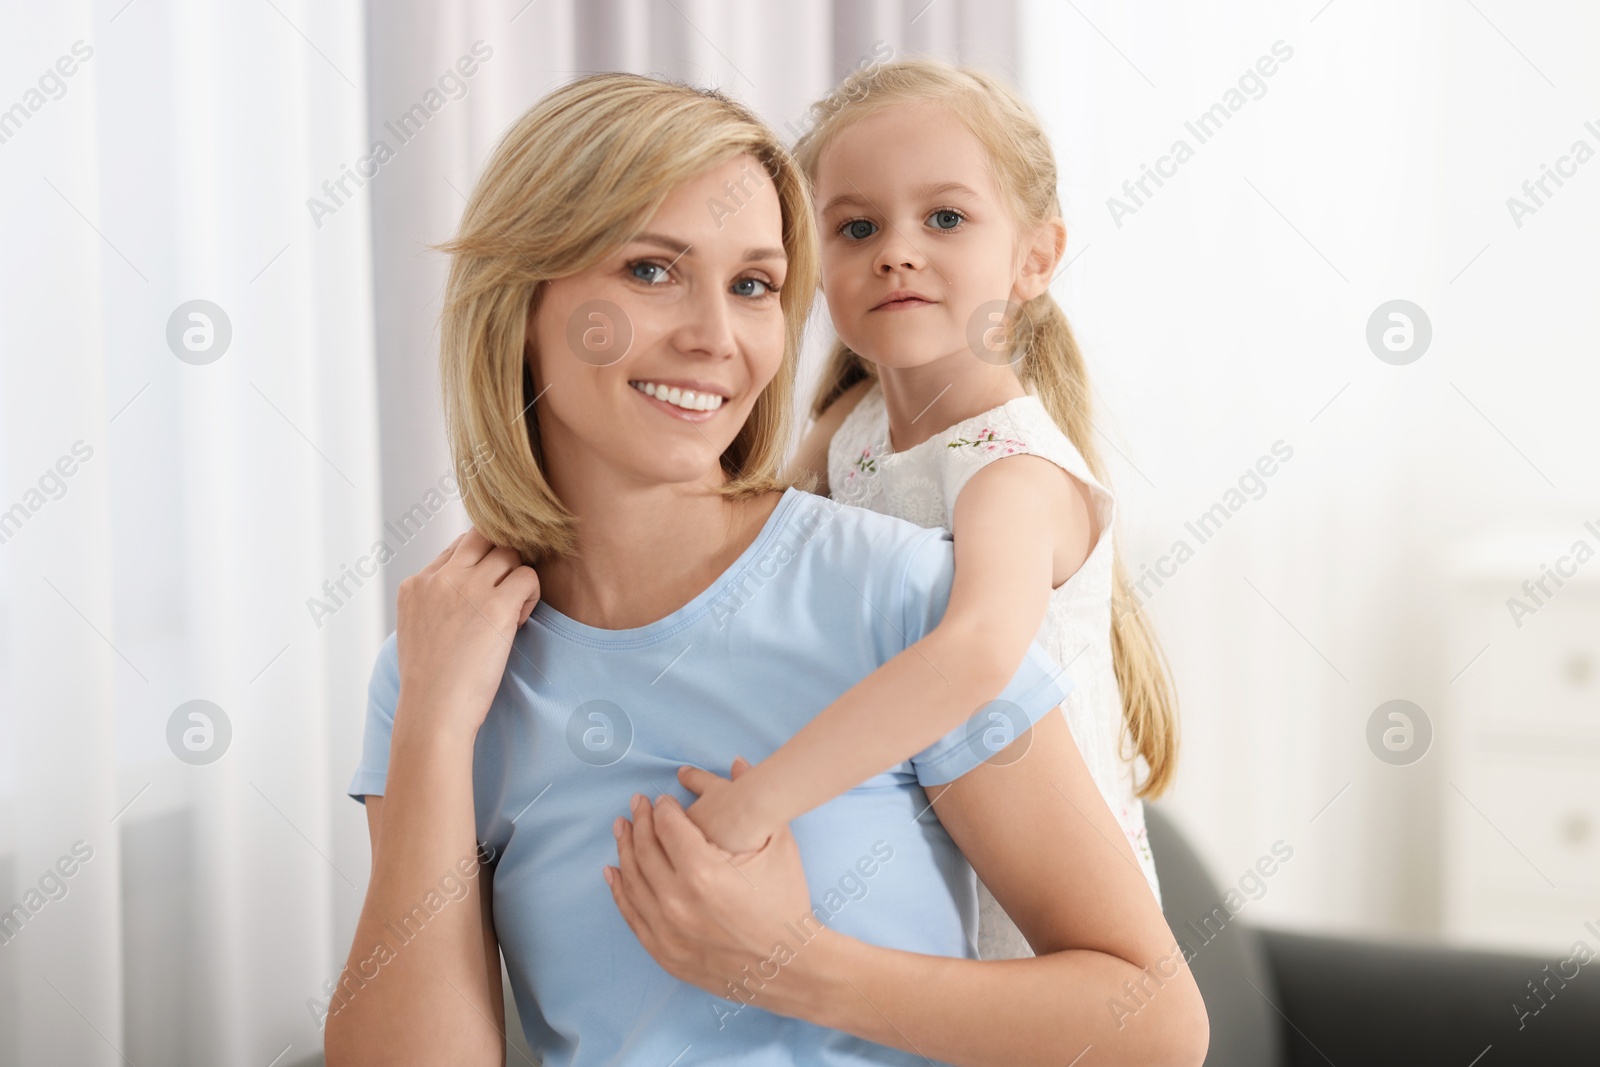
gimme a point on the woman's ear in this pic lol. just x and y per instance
(1040, 258)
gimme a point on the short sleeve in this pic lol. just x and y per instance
(383, 693)
(1038, 686)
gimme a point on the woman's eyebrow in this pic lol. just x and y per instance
(671, 244)
(680, 249)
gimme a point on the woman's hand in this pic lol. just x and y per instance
(457, 617)
(708, 918)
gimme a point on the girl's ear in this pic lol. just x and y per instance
(1040, 258)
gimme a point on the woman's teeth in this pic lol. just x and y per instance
(687, 399)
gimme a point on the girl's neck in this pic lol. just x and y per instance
(923, 401)
(643, 550)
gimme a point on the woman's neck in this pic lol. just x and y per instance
(922, 401)
(643, 551)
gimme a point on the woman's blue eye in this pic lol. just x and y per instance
(765, 286)
(638, 270)
(859, 229)
(945, 220)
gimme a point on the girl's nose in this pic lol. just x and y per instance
(898, 253)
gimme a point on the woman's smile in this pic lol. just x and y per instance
(691, 405)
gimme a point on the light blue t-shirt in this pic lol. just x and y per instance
(585, 717)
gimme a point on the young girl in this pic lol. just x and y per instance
(935, 193)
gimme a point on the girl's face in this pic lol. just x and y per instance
(918, 246)
(651, 360)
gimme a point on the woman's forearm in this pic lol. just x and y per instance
(1043, 1010)
(418, 985)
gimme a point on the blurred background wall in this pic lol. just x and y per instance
(1365, 540)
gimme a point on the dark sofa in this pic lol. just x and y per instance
(1279, 999)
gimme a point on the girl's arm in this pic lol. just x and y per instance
(423, 985)
(1109, 984)
(1020, 522)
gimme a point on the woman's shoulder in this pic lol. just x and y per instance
(871, 549)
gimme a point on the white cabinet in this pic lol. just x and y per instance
(1521, 747)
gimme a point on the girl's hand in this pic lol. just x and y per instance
(703, 915)
(457, 617)
(727, 818)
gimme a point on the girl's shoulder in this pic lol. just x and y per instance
(1021, 426)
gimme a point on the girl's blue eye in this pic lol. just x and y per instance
(638, 271)
(945, 220)
(766, 286)
(858, 229)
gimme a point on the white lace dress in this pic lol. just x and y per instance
(921, 485)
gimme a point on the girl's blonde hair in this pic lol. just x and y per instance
(1051, 366)
(578, 175)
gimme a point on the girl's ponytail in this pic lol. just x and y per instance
(1052, 368)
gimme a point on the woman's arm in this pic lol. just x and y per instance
(1109, 986)
(1109, 981)
(1016, 520)
(422, 984)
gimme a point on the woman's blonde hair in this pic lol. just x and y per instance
(577, 176)
(1050, 366)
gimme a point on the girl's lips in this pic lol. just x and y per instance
(673, 409)
(903, 304)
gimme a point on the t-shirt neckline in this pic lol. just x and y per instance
(683, 617)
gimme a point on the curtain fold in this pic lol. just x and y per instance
(174, 297)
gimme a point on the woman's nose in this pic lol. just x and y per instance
(707, 328)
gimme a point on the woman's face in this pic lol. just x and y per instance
(651, 360)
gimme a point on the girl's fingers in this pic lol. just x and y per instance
(696, 779)
(740, 766)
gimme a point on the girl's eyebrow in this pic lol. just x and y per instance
(845, 199)
(680, 249)
(937, 188)
(920, 191)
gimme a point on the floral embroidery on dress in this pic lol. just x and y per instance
(864, 463)
(1138, 838)
(987, 438)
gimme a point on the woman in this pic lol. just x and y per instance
(620, 336)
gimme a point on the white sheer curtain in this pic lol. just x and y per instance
(1226, 308)
(156, 154)
(187, 519)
